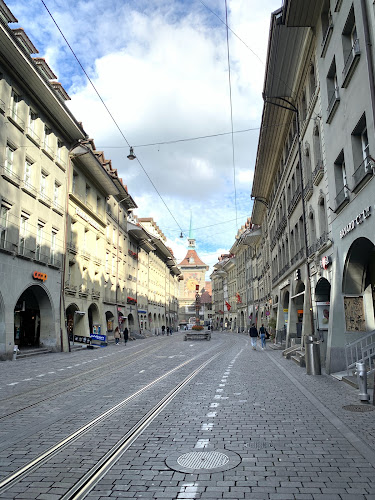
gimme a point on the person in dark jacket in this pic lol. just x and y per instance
(253, 336)
(126, 335)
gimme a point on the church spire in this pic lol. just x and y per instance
(191, 239)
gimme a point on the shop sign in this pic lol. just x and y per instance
(95, 336)
(83, 340)
(355, 222)
(40, 276)
(87, 218)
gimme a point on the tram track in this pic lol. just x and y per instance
(113, 366)
(90, 478)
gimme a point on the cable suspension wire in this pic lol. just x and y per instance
(196, 138)
(231, 112)
(109, 112)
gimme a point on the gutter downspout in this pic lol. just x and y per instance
(370, 65)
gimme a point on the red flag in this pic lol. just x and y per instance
(238, 297)
(228, 305)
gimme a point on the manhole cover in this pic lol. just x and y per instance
(359, 408)
(258, 445)
(202, 461)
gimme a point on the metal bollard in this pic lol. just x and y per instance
(15, 350)
(362, 381)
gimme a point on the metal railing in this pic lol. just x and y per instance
(364, 170)
(318, 173)
(354, 52)
(362, 349)
(341, 197)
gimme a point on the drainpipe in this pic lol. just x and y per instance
(370, 66)
(64, 256)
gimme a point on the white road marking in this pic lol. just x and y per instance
(202, 443)
(207, 427)
(211, 414)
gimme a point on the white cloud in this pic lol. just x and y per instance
(161, 68)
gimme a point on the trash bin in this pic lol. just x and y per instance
(312, 355)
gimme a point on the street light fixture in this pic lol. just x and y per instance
(131, 155)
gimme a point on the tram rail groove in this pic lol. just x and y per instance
(119, 362)
(126, 441)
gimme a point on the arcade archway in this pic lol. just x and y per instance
(34, 324)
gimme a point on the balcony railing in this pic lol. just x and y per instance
(72, 247)
(8, 174)
(342, 198)
(70, 289)
(326, 38)
(33, 136)
(15, 119)
(333, 102)
(363, 173)
(46, 200)
(293, 204)
(57, 207)
(351, 63)
(308, 189)
(318, 173)
(28, 188)
(46, 148)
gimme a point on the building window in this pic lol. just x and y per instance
(332, 91)
(23, 233)
(87, 194)
(312, 80)
(322, 216)
(4, 212)
(107, 262)
(350, 46)
(341, 183)
(9, 157)
(74, 182)
(53, 246)
(27, 174)
(39, 240)
(14, 101)
(43, 184)
(56, 194)
(361, 152)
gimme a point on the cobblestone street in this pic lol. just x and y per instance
(249, 425)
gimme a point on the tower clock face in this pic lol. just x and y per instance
(191, 283)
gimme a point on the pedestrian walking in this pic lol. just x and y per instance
(126, 335)
(117, 335)
(253, 336)
(262, 332)
(168, 330)
(163, 330)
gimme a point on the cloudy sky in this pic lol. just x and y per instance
(161, 67)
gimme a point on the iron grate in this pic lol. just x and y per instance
(358, 408)
(216, 460)
(203, 460)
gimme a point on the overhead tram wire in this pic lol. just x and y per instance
(109, 112)
(195, 138)
(231, 113)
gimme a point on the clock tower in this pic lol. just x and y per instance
(193, 270)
